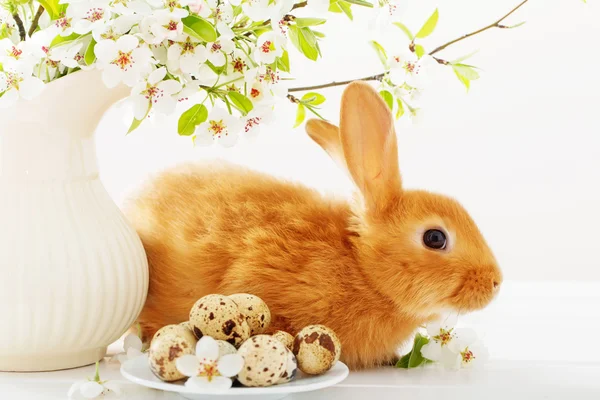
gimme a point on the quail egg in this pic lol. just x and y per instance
(285, 338)
(256, 311)
(291, 368)
(317, 349)
(177, 330)
(225, 348)
(165, 349)
(265, 361)
(218, 316)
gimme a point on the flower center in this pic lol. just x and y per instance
(209, 370)
(45, 49)
(172, 4)
(63, 23)
(15, 53)
(254, 93)
(444, 337)
(13, 80)
(95, 14)
(251, 123)
(152, 93)
(267, 47)
(269, 76)
(109, 34)
(238, 64)
(187, 47)
(467, 356)
(215, 47)
(51, 64)
(171, 26)
(217, 128)
(123, 60)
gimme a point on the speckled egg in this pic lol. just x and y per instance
(291, 368)
(256, 311)
(186, 325)
(265, 361)
(178, 330)
(218, 316)
(225, 348)
(317, 349)
(164, 350)
(285, 338)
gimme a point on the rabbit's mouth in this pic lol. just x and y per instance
(477, 290)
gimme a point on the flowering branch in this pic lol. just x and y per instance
(493, 25)
(380, 76)
(36, 20)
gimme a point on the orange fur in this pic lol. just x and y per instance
(362, 271)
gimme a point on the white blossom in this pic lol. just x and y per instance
(268, 47)
(123, 60)
(220, 126)
(155, 92)
(186, 56)
(17, 81)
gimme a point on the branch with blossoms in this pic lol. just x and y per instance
(229, 59)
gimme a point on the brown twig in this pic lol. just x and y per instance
(19, 23)
(493, 25)
(377, 77)
(36, 20)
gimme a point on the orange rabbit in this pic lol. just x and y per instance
(372, 271)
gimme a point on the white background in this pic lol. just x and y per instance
(521, 150)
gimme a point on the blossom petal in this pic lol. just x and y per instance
(113, 387)
(30, 88)
(229, 139)
(187, 365)
(432, 351)
(9, 98)
(127, 43)
(91, 390)
(111, 76)
(106, 50)
(465, 337)
(170, 86)
(449, 359)
(221, 382)
(74, 388)
(207, 348)
(198, 383)
(217, 58)
(166, 105)
(132, 341)
(157, 75)
(230, 365)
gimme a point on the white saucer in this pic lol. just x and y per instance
(138, 371)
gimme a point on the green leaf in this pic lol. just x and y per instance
(334, 7)
(302, 22)
(516, 25)
(313, 98)
(429, 25)
(199, 28)
(405, 29)
(300, 115)
(414, 358)
(52, 7)
(400, 111)
(462, 79)
(463, 58)
(283, 62)
(466, 70)
(318, 34)
(380, 52)
(4, 31)
(388, 98)
(305, 41)
(241, 102)
(191, 118)
(419, 50)
(90, 56)
(345, 7)
(360, 3)
(61, 40)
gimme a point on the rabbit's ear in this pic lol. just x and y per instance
(369, 144)
(327, 136)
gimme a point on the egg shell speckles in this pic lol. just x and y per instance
(178, 330)
(285, 338)
(265, 361)
(317, 349)
(256, 311)
(164, 350)
(219, 317)
(225, 348)
(291, 368)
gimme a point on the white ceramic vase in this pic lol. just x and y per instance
(73, 273)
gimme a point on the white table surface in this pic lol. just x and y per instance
(544, 341)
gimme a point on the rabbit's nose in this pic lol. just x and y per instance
(496, 285)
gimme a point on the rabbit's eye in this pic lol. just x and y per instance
(435, 239)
